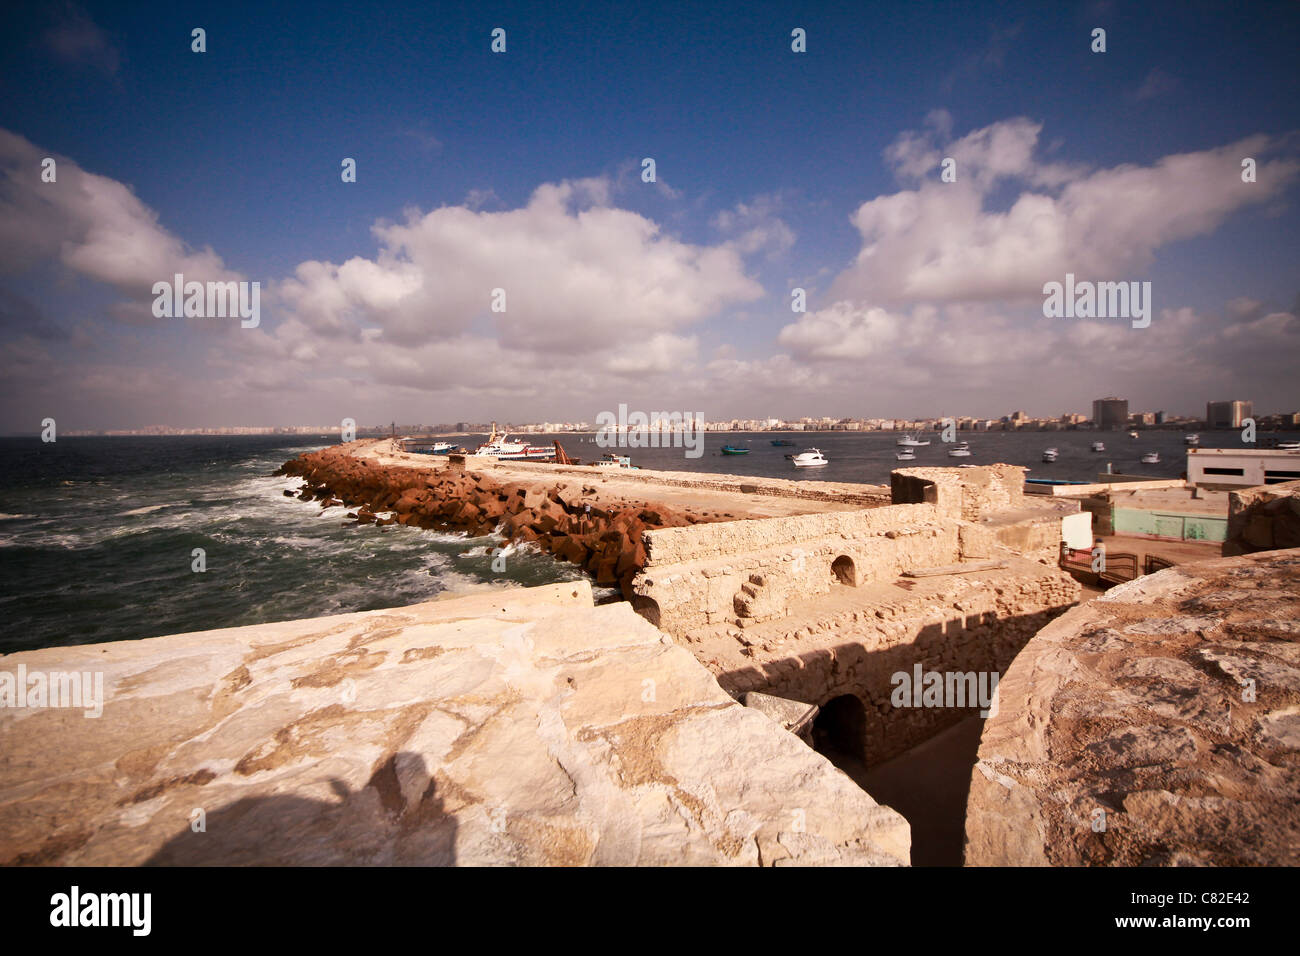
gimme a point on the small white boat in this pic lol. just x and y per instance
(959, 450)
(1050, 454)
(1099, 446)
(1151, 458)
(905, 454)
(1192, 440)
(913, 441)
(1132, 434)
(809, 458)
(611, 460)
(1288, 445)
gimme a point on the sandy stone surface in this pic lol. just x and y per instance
(1157, 725)
(518, 727)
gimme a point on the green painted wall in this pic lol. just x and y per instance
(1170, 524)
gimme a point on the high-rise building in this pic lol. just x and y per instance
(1110, 412)
(1227, 414)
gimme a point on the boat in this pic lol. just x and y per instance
(1192, 440)
(959, 450)
(905, 454)
(1151, 458)
(1288, 446)
(1050, 455)
(500, 446)
(1099, 446)
(809, 458)
(418, 446)
(611, 460)
(913, 441)
(733, 450)
(1132, 434)
(782, 443)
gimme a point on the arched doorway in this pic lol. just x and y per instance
(841, 726)
(844, 571)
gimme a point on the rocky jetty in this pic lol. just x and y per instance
(566, 518)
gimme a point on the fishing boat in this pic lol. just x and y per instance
(500, 446)
(809, 458)
(1192, 440)
(782, 443)
(1151, 458)
(905, 454)
(960, 450)
(913, 441)
(1132, 434)
(1288, 446)
(423, 447)
(733, 450)
(611, 460)
(1050, 455)
(1099, 446)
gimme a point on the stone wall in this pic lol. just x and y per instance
(1263, 518)
(750, 570)
(958, 624)
(1157, 725)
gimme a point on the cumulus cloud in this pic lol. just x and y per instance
(578, 275)
(755, 226)
(93, 225)
(945, 242)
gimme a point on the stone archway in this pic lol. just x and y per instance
(845, 571)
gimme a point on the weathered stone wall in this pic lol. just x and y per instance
(755, 568)
(706, 575)
(977, 623)
(1157, 725)
(966, 493)
(1263, 518)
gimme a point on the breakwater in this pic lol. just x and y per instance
(572, 519)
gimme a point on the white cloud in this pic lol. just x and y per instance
(578, 275)
(93, 225)
(942, 242)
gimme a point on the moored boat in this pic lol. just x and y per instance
(734, 450)
(1050, 454)
(959, 450)
(809, 458)
(1099, 446)
(782, 443)
(500, 446)
(1151, 458)
(1192, 440)
(905, 454)
(913, 441)
(611, 460)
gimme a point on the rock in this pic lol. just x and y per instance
(509, 728)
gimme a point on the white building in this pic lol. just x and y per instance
(1241, 468)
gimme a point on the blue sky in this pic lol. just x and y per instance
(673, 295)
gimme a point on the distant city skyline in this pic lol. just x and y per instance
(676, 211)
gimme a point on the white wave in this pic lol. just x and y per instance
(145, 510)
